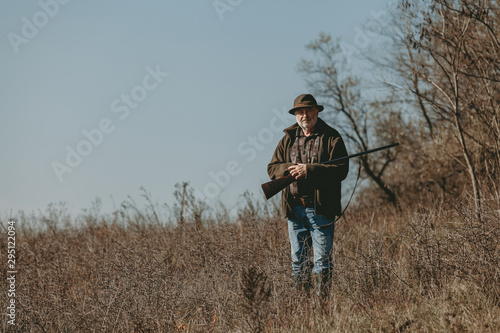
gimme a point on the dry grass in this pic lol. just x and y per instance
(427, 270)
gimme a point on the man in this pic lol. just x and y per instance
(312, 203)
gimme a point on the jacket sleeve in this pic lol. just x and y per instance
(323, 175)
(278, 167)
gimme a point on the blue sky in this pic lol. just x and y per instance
(151, 94)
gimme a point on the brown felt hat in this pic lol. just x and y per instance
(305, 101)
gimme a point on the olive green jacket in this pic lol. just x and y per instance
(325, 179)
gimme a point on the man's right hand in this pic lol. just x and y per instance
(298, 171)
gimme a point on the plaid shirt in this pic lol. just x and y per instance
(305, 150)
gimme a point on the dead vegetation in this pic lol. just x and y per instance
(427, 269)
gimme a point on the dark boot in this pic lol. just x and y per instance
(323, 281)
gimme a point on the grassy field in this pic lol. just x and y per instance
(425, 269)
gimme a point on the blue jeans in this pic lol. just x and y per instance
(306, 231)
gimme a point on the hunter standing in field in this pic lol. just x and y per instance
(312, 203)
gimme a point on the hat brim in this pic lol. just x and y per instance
(320, 107)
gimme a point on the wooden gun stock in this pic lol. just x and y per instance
(274, 186)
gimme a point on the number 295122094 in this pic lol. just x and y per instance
(11, 245)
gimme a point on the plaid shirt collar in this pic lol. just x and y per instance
(299, 132)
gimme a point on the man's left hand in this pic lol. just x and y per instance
(298, 171)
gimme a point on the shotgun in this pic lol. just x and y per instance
(274, 186)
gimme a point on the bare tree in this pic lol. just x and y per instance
(452, 66)
(357, 116)
(441, 65)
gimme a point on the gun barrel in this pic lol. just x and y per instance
(272, 187)
(362, 153)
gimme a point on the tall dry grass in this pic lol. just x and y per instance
(430, 269)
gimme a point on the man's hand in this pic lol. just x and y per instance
(298, 171)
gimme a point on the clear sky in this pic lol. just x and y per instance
(99, 98)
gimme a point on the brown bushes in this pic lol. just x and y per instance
(434, 269)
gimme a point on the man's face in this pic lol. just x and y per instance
(307, 117)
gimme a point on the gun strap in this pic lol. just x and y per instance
(352, 194)
(347, 205)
